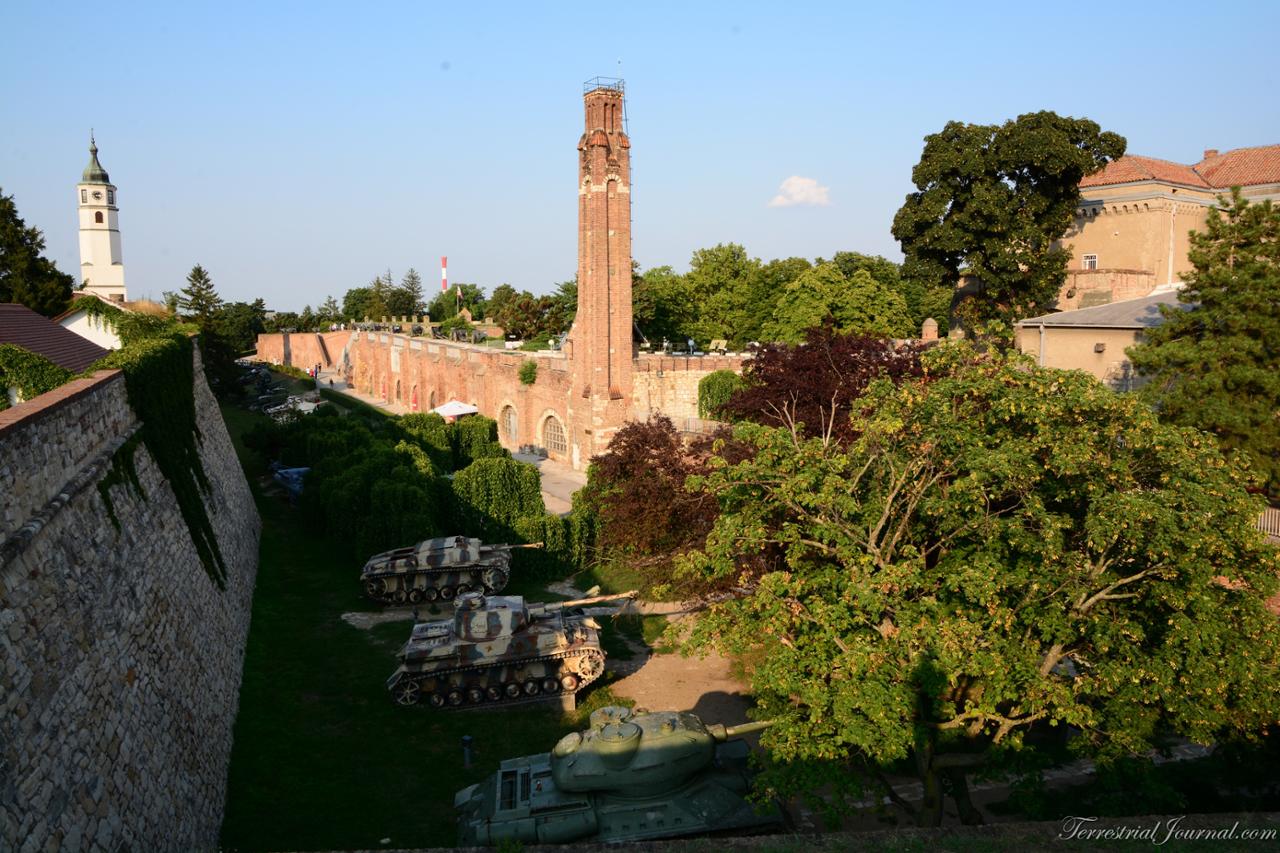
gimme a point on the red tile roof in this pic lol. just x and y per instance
(1240, 167)
(21, 326)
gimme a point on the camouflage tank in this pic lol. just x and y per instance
(437, 569)
(499, 649)
(631, 776)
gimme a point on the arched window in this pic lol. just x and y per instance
(111, 196)
(553, 435)
(431, 400)
(509, 422)
(97, 217)
(397, 390)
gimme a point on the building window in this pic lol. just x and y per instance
(553, 436)
(111, 196)
(1089, 262)
(97, 217)
(509, 423)
(84, 196)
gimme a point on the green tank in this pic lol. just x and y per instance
(631, 776)
(437, 570)
(498, 648)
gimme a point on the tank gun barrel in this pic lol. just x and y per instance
(595, 599)
(487, 548)
(723, 733)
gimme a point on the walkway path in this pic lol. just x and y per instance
(559, 481)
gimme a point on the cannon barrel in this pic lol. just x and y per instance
(595, 599)
(723, 733)
(511, 547)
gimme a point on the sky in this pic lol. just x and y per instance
(297, 150)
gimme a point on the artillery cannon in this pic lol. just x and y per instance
(632, 775)
(500, 649)
(437, 569)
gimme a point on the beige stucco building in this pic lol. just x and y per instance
(1132, 229)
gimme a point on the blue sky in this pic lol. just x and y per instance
(298, 149)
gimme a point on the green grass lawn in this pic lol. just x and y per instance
(322, 758)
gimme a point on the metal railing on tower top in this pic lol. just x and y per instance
(617, 84)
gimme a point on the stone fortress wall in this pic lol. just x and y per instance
(120, 659)
(303, 349)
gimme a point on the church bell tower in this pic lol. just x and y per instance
(101, 262)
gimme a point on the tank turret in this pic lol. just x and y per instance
(499, 648)
(631, 775)
(437, 570)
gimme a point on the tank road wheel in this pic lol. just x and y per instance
(550, 685)
(493, 693)
(494, 580)
(446, 593)
(415, 596)
(475, 695)
(531, 687)
(435, 700)
(375, 588)
(463, 589)
(431, 593)
(400, 595)
(569, 682)
(454, 698)
(406, 692)
(591, 667)
(512, 690)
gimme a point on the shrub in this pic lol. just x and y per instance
(714, 390)
(493, 495)
(528, 372)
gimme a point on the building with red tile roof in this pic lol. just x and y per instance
(1132, 230)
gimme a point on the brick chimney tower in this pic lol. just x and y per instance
(602, 340)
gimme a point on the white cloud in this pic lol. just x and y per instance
(797, 190)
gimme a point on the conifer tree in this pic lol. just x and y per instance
(411, 284)
(26, 276)
(1216, 365)
(199, 300)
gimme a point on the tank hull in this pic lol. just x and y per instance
(435, 570)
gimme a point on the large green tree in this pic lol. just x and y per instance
(821, 294)
(1002, 546)
(411, 285)
(992, 203)
(26, 275)
(1216, 365)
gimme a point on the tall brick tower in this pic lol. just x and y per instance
(601, 353)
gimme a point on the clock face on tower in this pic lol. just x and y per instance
(97, 194)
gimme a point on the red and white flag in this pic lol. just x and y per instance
(444, 274)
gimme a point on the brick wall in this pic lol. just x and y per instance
(121, 659)
(302, 349)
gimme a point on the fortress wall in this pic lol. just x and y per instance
(302, 349)
(120, 659)
(668, 385)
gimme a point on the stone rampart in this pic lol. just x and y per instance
(121, 658)
(302, 349)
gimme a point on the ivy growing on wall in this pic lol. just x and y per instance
(159, 381)
(715, 389)
(30, 374)
(528, 372)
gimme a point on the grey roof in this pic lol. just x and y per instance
(1141, 313)
(21, 326)
(94, 173)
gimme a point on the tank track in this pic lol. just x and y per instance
(431, 594)
(402, 695)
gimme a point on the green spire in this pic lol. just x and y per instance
(94, 173)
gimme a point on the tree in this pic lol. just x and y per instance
(199, 301)
(1216, 365)
(330, 311)
(1002, 547)
(719, 279)
(445, 305)
(240, 323)
(411, 284)
(26, 275)
(662, 304)
(991, 204)
(815, 388)
(823, 294)
(357, 304)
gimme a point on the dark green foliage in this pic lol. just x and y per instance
(714, 390)
(991, 202)
(26, 275)
(1217, 366)
(475, 437)
(492, 495)
(446, 304)
(199, 301)
(528, 372)
(31, 374)
(296, 373)
(998, 547)
(160, 385)
(240, 323)
(434, 436)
